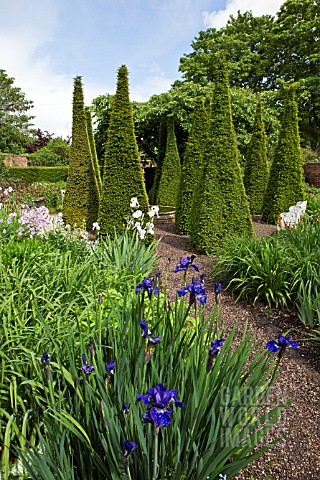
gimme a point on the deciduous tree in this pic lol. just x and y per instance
(15, 122)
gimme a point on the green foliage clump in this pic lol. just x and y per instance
(55, 153)
(37, 174)
(220, 206)
(81, 201)
(309, 155)
(256, 166)
(281, 270)
(192, 166)
(123, 175)
(170, 171)
(162, 141)
(285, 185)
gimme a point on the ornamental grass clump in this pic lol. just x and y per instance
(182, 419)
(282, 270)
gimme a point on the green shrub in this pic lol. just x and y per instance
(220, 206)
(123, 176)
(55, 153)
(256, 164)
(37, 174)
(81, 201)
(192, 166)
(285, 185)
(309, 156)
(170, 172)
(162, 141)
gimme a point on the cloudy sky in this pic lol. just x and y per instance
(44, 44)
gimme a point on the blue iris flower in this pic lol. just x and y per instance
(158, 398)
(185, 264)
(145, 330)
(128, 447)
(125, 408)
(110, 367)
(196, 290)
(216, 346)
(86, 368)
(45, 358)
(147, 286)
(213, 352)
(217, 288)
(281, 344)
(154, 341)
(146, 333)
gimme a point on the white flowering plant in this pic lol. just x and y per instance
(138, 222)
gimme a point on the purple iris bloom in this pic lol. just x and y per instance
(196, 291)
(145, 330)
(86, 368)
(160, 417)
(217, 288)
(45, 358)
(147, 285)
(216, 346)
(185, 264)
(128, 447)
(281, 344)
(159, 398)
(110, 367)
(146, 333)
(154, 341)
(125, 408)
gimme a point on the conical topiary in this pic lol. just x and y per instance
(220, 206)
(93, 148)
(162, 141)
(171, 169)
(81, 200)
(123, 175)
(285, 185)
(256, 166)
(192, 166)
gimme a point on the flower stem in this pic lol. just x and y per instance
(128, 473)
(155, 458)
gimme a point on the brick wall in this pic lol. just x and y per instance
(312, 174)
(15, 161)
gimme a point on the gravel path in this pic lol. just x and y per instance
(297, 457)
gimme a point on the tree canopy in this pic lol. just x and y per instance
(264, 52)
(15, 122)
(179, 102)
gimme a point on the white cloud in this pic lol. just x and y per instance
(155, 82)
(218, 19)
(24, 47)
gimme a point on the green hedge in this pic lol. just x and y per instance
(37, 174)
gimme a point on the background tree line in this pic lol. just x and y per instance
(263, 54)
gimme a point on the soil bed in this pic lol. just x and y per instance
(297, 456)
